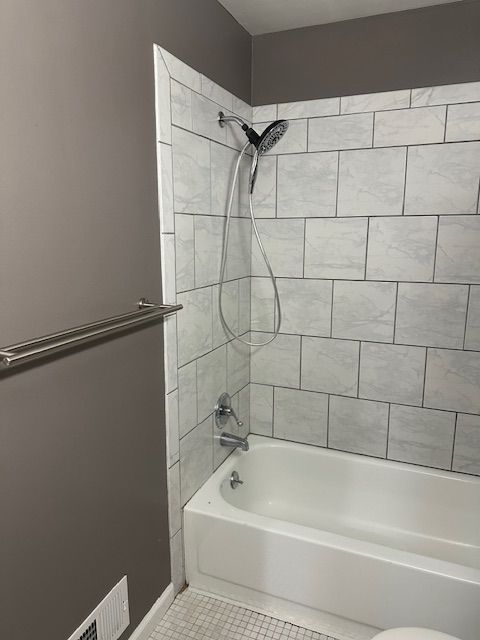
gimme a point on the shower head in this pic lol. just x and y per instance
(262, 142)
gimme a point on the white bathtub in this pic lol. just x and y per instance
(341, 543)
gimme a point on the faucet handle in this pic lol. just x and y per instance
(223, 411)
(232, 413)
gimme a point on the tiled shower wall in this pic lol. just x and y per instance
(370, 210)
(196, 158)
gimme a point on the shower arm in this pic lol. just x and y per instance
(223, 119)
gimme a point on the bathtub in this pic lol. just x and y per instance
(340, 543)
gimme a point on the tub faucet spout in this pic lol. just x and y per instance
(229, 440)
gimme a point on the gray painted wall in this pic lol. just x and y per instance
(423, 47)
(83, 486)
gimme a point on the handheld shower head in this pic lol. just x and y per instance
(262, 142)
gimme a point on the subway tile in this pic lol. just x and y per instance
(223, 163)
(239, 249)
(230, 312)
(170, 347)
(306, 306)
(307, 185)
(284, 243)
(174, 507)
(371, 182)
(446, 94)
(184, 251)
(244, 411)
(359, 426)
(191, 172)
(162, 99)
(424, 125)
(431, 314)
(401, 248)
(196, 459)
(165, 187)
(168, 268)
(294, 140)
(443, 179)
(265, 191)
(392, 373)
(364, 310)
(181, 105)
(330, 366)
(309, 108)
(262, 304)
(187, 398)
(211, 380)
(335, 248)
(453, 380)
(421, 436)
(340, 132)
(205, 119)
(244, 305)
(238, 366)
(458, 255)
(261, 409)
(172, 435)
(215, 92)
(382, 101)
(194, 324)
(463, 122)
(300, 416)
(277, 363)
(466, 457)
(472, 335)
(265, 113)
(181, 71)
(208, 249)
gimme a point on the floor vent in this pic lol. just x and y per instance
(109, 619)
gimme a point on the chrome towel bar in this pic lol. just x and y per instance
(55, 342)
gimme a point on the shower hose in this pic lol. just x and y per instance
(226, 236)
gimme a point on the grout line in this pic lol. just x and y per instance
(359, 368)
(469, 293)
(388, 430)
(424, 376)
(436, 250)
(454, 441)
(395, 314)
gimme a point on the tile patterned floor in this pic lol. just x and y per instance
(194, 616)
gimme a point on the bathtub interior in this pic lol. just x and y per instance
(431, 513)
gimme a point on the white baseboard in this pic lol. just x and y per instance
(153, 617)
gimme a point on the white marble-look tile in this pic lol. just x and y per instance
(371, 182)
(277, 363)
(265, 113)
(223, 165)
(181, 105)
(205, 119)
(392, 373)
(218, 94)
(463, 122)
(307, 185)
(244, 411)
(238, 366)
(306, 306)
(382, 101)
(194, 324)
(431, 315)
(264, 194)
(239, 249)
(334, 133)
(244, 305)
(211, 380)
(453, 380)
(230, 312)
(187, 398)
(184, 251)
(330, 366)
(191, 172)
(309, 108)
(170, 347)
(294, 140)
(401, 248)
(242, 109)
(162, 99)
(196, 459)
(446, 94)
(165, 187)
(421, 436)
(262, 305)
(181, 71)
(358, 426)
(284, 242)
(424, 125)
(300, 416)
(172, 435)
(221, 453)
(177, 562)
(174, 507)
(364, 310)
(168, 268)
(443, 179)
(472, 335)
(335, 248)
(466, 457)
(458, 253)
(261, 409)
(208, 249)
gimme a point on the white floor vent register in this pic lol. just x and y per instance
(109, 619)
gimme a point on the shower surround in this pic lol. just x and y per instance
(369, 213)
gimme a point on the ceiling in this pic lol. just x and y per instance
(266, 16)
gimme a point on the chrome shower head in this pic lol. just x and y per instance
(262, 142)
